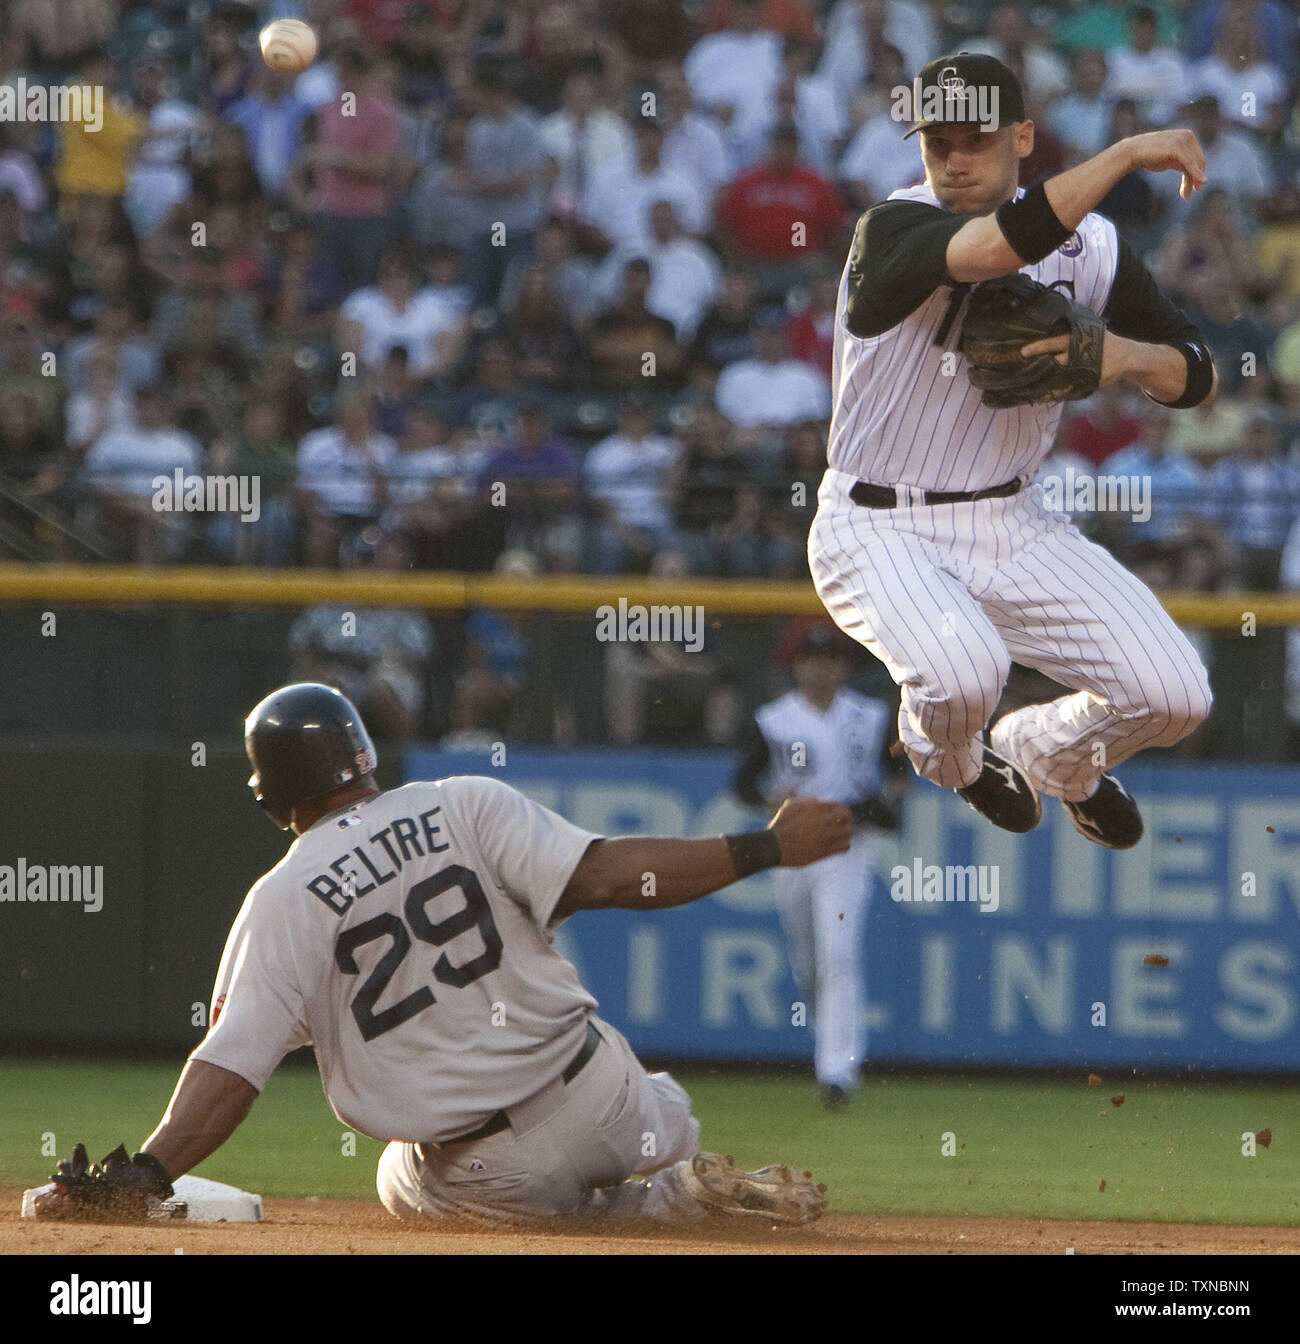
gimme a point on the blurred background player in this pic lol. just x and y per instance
(822, 740)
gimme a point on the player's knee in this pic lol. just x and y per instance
(1175, 716)
(963, 709)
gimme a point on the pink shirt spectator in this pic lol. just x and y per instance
(372, 131)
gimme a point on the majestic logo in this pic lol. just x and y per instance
(1072, 246)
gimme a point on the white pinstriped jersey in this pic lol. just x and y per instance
(834, 755)
(898, 418)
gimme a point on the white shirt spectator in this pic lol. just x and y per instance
(818, 118)
(685, 278)
(81, 414)
(413, 474)
(159, 178)
(20, 175)
(1234, 162)
(1155, 80)
(605, 142)
(845, 62)
(632, 474)
(880, 157)
(1082, 123)
(694, 150)
(1264, 85)
(129, 460)
(1046, 75)
(618, 204)
(736, 70)
(753, 393)
(428, 316)
(338, 472)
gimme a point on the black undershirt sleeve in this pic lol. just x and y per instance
(1138, 310)
(898, 259)
(755, 755)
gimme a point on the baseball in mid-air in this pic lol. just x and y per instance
(288, 45)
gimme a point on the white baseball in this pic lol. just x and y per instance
(288, 44)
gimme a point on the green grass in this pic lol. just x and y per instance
(1025, 1147)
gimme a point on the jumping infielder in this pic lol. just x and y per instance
(822, 740)
(931, 545)
(406, 935)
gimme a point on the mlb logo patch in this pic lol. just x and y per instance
(1072, 246)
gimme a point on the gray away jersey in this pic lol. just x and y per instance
(898, 419)
(405, 938)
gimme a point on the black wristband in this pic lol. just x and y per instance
(1030, 226)
(1200, 375)
(752, 851)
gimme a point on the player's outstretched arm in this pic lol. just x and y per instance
(209, 1104)
(980, 249)
(617, 873)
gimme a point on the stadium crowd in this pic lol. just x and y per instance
(550, 283)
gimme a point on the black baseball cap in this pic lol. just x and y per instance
(820, 639)
(956, 89)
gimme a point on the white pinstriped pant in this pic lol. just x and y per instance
(947, 596)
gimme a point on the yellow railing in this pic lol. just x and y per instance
(119, 585)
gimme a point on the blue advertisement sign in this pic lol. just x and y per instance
(983, 948)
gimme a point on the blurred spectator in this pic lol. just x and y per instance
(1208, 431)
(857, 30)
(24, 364)
(733, 73)
(303, 287)
(498, 652)
(549, 42)
(261, 449)
(568, 277)
(1104, 24)
(444, 205)
(753, 542)
(50, 42)
(811, 331)
(103, 405)
(225, 68)
(503, 158)
(1208, 251)
(1102, 425)
(119, 474)
(1132, 202)
(684, 275)
(669, 692)
(176, 314)
(1048, 156)
(379, 657)
(616, 206)
(579, 141)
(20, 177)
(725, 333)
(271, 117)
(1277, 244)
(1155, 77)
(398, 310)
(1233, 161)
(160, 174)
(1171, 482)
(31, 463)
(772, 389)
(1082, 116)
(539, 331)
(423, 466)
(138, 359)
(879, 158)
(693, 146)
(533, 483)
(629, 343)
(342, 476)
(95, 153)
(1275, 27)
(395, 390)
(224, 170)
(651, 31)
(1014, 40)
(781, 210)
(1238, 340)
(628, 474)
(490, 403)
(1251, 88)
(1253, 497)
(351, 160)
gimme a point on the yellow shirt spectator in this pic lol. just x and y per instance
(96, 163)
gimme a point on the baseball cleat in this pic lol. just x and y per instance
(1110, 817)
(833, 1096)
(1004, 795)
(775, 1193)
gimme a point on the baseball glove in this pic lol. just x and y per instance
(118, 1188)
(1013, 311)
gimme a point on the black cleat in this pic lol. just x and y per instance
(1004, 795)
(833, 1097)
(1110, 817)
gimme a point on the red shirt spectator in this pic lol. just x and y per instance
(811, 334)
(353, 154)
(790, 18)
(380, 20)
(761, 207)
(1103, 428)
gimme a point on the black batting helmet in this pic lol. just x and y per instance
(304, 741)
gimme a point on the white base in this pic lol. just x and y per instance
(196, 1200)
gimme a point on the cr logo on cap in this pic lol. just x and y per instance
(950, 78)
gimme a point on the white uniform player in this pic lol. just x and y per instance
(406, 935)
(822, 740)
(931, 545)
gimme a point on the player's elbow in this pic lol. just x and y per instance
(979, 251)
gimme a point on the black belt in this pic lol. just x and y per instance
(496, 1123)
(886, 497)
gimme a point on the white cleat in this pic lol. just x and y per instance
(775, 1193)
